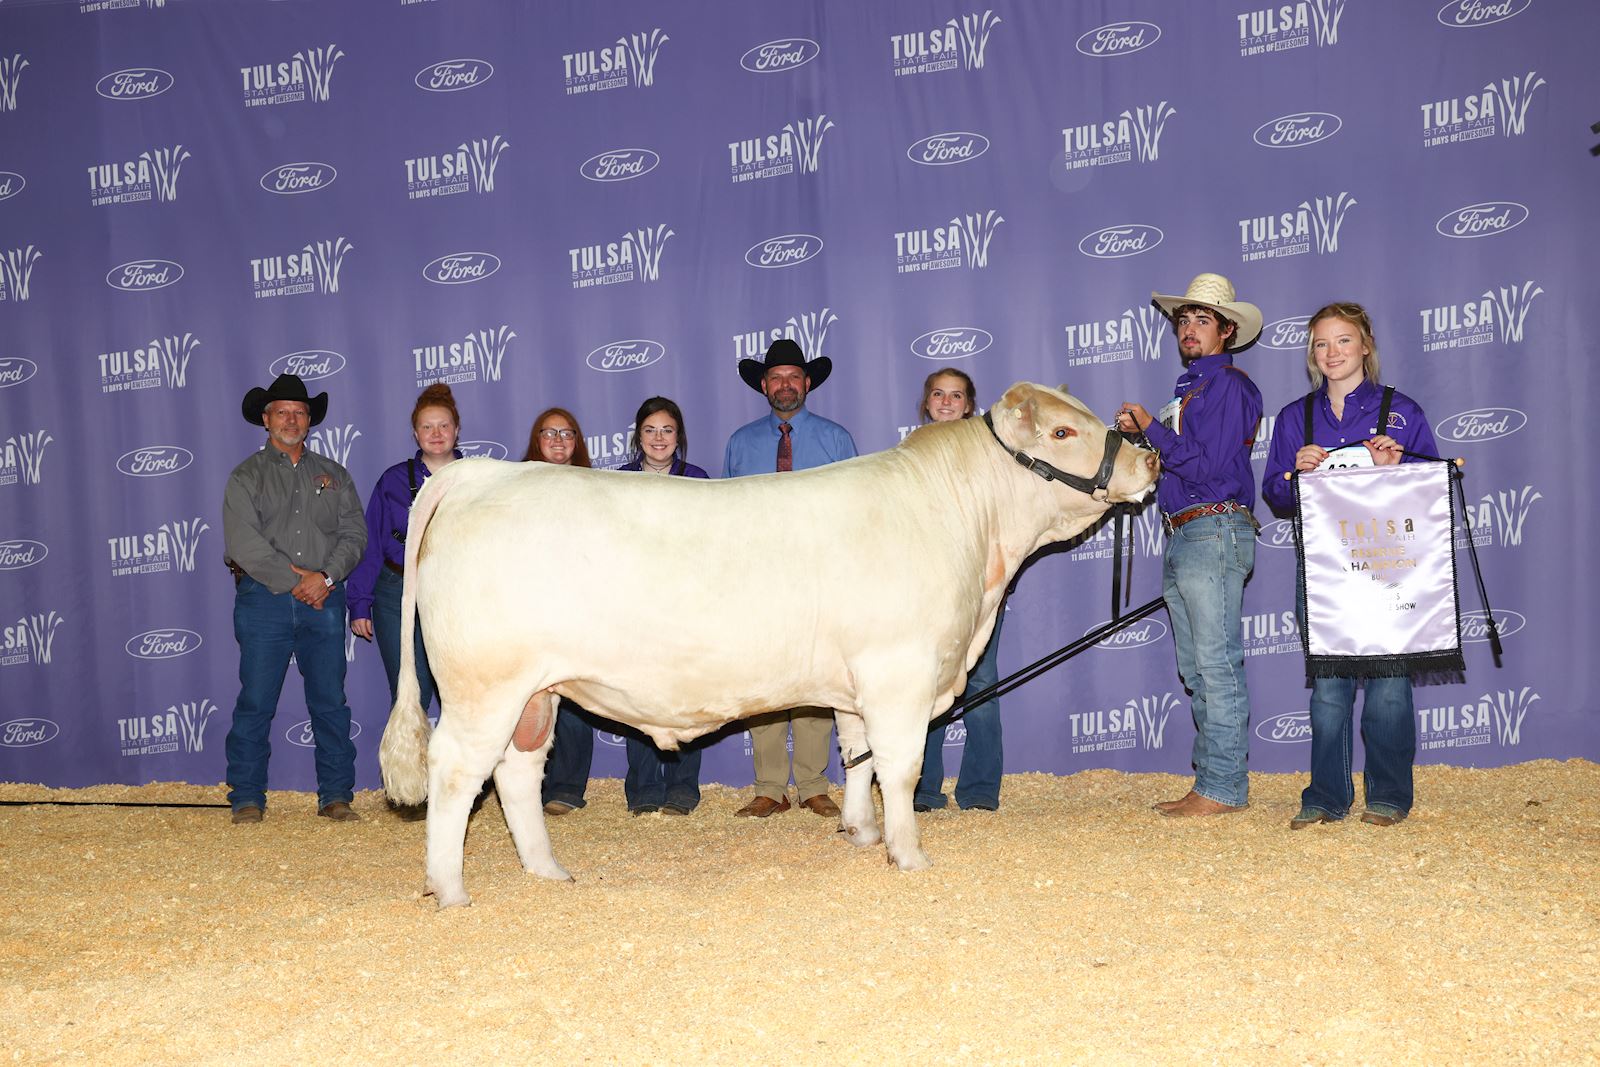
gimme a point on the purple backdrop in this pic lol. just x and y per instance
(587, 204)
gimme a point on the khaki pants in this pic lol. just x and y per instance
(769, 736)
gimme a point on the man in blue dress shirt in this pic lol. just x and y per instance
(1207, 490)
(789, 438)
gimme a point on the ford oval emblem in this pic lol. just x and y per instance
(1286, 335)
(1119, 242)
(454, 75)
(620, 165)
(460, 268)
(153, 461)
(787, 250)
(1118, 39)
(291, 179)
(21, 552)
(134, 83)
(308, 366)
(952, 342)
(163, 644)
(14, 370)
(628, 355)
(775, 57)
(143, 275)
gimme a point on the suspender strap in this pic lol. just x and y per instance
(1311, 404)
(1383, 410)
(411, 477)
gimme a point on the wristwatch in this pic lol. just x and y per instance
(325, 579)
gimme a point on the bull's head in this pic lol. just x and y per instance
(1052, 426)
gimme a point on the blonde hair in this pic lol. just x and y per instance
(1355, 315)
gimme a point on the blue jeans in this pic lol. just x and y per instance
(1388, 733)
(656, 778)
(982, 756)
(1203, 576)
(386, 628)
(566, 769)
(269, 627)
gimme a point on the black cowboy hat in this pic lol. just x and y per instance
(784, 353)
(283, 387)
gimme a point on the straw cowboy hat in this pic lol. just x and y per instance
(1216, 292)
(784, 353)
(283, 387)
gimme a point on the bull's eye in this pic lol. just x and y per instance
(1064, 432)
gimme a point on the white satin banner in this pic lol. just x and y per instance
(1379, 570)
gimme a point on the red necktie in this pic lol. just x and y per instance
(785, 448)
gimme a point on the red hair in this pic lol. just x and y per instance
(580, 447)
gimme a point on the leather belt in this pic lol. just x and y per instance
(1226, 507)
(392, 565)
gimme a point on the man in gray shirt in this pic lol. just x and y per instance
(293, 529)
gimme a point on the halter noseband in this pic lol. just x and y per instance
(1102, 477)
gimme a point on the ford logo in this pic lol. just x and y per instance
(135, 83)
(955, 735)
(947, 149)
(25, 733)
(776, 56)
(1119, 39)
(154, 461)
(11, 183)
(309, 365)
(459, 268)
(1297, 130)
(619, 165)
(1475, 624)
(1482, 220)
(14, 370)
(608, 738)
(1142, 633)
(143, 275)
(453, 75)
(1469, 14)
(1290, 728)
(789, 250)
(162, 644)
(1482, 424)
(293, 178)
(1119, 242)
(955, 342)
(1286, 335)
(21, 552)
(1279, 533)
(626, 355)
(300, 733)
(482, 449)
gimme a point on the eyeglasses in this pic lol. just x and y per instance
(659, 431)
(552, 435)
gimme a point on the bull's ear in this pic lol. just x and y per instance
(1016, 414)
(1063, 388)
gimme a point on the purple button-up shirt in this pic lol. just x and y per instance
(1208, 460)
(388, 509)
(1407, 425)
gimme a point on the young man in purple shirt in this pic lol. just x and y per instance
(1206, 493)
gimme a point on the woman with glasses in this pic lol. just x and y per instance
(668, 782)
(947, 396)
(1349, 420)
(375, 585)
(556, 438)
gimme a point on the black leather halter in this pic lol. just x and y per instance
(1102, 478)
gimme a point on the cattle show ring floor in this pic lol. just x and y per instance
(1075, 925)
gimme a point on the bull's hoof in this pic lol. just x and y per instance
(916, 860)
(862, 836)
(453, 900)
(553, 871)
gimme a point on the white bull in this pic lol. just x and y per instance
(868, 586)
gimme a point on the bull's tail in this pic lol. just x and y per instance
(403, 755)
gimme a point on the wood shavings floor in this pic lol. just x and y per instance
(1073, 926)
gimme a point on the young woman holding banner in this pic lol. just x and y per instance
(1350, 420)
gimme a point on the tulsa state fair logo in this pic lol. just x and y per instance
(157, 362)
(808, 329)
(1312, 226)
(334, 442)
(1499, 108)
(314, 268)
(963, 241)
(794, 149)
(153, 175)
(629, 60)
(16, 269)
(22, 457)
(1497, 716)
(1139, 723)
(1495, 314)
(1132, 334)
(636, 256)
(172, 546)
(1132, 133)
(1470, 14)
(1288, 26)
(306, 75)
(1148, 540)
(180, 726)
(959, 43)
(1269, 633)
(1500, 517)
(11, 68)
(467, 168)
(476, 356)
(29, 639)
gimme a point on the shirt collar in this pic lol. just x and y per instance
(1200, 369)
(796, 420)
